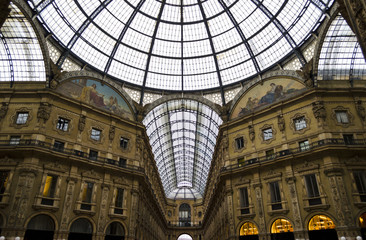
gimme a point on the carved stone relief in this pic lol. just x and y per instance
(44, 112)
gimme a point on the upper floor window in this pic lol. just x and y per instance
(4, 177)
(124, 143)
(270, 154)
(275, 193)
(300, 123)
(59, 146)
(312, 189)
(122, 162)
(348, 139)
(304, 145)
(342, 116)
(244, 200)
(95, 134)
(267, 134)
(239, 143)
(118, 203)
(14, 140)
(49, 190)
(360, 180)
(93, 155)
(22, 118)
(86, 197)
(62, 124)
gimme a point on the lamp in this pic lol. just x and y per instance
(2, 238)
(17, 238)
(357, 238)
(343, 238)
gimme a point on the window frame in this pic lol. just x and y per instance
(94, 136)
(62, 125)
(312, 189)
(14, 140)
(266, 132)
(239, 143)
(304, 147)
(124, 143)
(300, 123)
(21, 118)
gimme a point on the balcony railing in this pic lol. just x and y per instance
(23, 143)
(184, 224)
(292, 151)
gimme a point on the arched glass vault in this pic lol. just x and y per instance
(182, 135)
(180, 45)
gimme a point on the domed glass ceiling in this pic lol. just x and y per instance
(181, 45)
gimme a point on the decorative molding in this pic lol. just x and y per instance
(319, 110)
(292, 124)
(13, 118)
(55, 166)
(359, 108)
(3, 110)
(281, 123)
(272, 176)
(349, 115)
(44, 112)
(91, 174)
(81, 124)
(251, 132)
(307, 167)
(120, 181)
(266, 126)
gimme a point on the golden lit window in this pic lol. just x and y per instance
(321, 222)
(281, 225)
(363, 220)
(248, 228)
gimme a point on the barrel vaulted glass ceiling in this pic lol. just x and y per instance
(183, 136)
(181, 45)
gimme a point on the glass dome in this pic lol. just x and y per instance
(183, 45)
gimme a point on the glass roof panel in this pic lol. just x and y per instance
(183, 130)
(341, 56)
(123, 35)
(21, 58)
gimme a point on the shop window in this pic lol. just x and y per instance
(4, 177)
(275, 193)
(267, 134)
(22, 118)
(312, 189)
(118, 203)
(360, 180)
(321, 222)
(300, 123)
(95, 134)
(281, 226)
(62, 124)
(244, 200)
(124, 143)
(49, 190)
(239, 143)
(14, 140)
(342, 116)
(304, 145)
(86, 197)
(59, 146)
(248, 229)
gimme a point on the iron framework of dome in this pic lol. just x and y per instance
(183, 45)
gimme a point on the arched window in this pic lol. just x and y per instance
(248, 228)
(40, 227)
(115, 231)
(185, 215)
(81, 229)
(322, 227)
(282, 229)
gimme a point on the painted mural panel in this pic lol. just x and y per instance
(270, 92)
(96, 94)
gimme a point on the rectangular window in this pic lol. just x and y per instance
(304, 145)
(312, 189)
(87, 196)
(267, 134)
(239, 143)
(300, 123)
(342, 116)
(62, 124)
(360, 179)
(241, 162)
(348, 139)
(49, 190)
(244, 200)
(22, 118)
(14, 140)
(95, 134)
(274, 189)
(59, 146)
(93, 155)
(4, 177)
(124, 143)
(122, 162)
(119, 201)
(270, 154)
